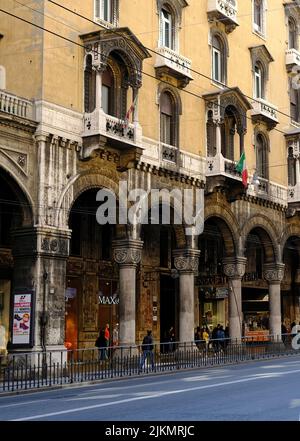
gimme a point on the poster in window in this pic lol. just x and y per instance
(22, 319)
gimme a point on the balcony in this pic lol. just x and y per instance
(169, 62)
(294, 194)
(265, 112)
(269, 191)
(168, 157)
(292, 58)
(102, 128)
(15, 105)
(218, 165)
(225, 11)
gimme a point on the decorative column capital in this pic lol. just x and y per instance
(234, 267)
(127, 252)
(186, 260)
(274, 272)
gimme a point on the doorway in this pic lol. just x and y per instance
(168, 307)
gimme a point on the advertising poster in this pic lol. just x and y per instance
(22, 319)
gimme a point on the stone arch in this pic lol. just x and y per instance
(228, 226)
(162, 88)
(267, 233)
(290, 231)
(21, 194)
(78, 185)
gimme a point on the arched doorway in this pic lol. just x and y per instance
(215, 244)
(92, 279)
(259, 250)
(15, 210)
(290, 287)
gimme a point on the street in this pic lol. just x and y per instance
(258, 391)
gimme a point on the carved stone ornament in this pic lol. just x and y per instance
(127, 252)
(274, 272)
(186, 261)
(234, 268)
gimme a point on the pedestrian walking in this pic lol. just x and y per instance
(101, 345)
(147, 350)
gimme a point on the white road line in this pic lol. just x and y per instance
(128, 400)
(205, 378)
(93, 397)
(23, 403)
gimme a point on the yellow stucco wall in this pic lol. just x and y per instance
(40, 65)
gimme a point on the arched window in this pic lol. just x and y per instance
(218, 60)
(167, 119)
(108, 92)
(211, 134)
(261, 156)
(167, 27)
(89, 86)
(291, 167)
(293, 38)
(259, 86)
(228, 130)
(258, 16)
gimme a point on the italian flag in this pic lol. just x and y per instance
(242, 168)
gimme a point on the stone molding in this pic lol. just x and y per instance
(234, 267)
(186, 260)
(274, 272)
(127, 252)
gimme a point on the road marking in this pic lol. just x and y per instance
(23, 403)
(274, 366)
(205, 378)
(128, 400)
(93, 397)
(294, 403)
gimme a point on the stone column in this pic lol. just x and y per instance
(186, 262)
(99, 71)
(40, 255)
(234, 269)
(273, 274)
(41, 140)
(127, 253)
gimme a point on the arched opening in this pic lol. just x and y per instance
(92, 295)
(159, 287)
(167, 119)
(290, 286)
(293, 34)
(218, 60)
(229, 136)
(15, 211)
(261, 145)
(291, 167)
(255, 291)
(89, 85)
(215, 244)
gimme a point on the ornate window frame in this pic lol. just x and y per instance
(292, 12)
(114, 8)
(221, 36)
(260, 56)
(177, 103)
(266, 146)
(175, 7)
(263, 31)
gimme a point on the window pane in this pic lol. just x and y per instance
(258, 13)
(105, 99)
(166, 129)
(216, 65)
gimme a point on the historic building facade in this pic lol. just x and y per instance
(167, 96)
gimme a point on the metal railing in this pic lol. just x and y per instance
(35, 370)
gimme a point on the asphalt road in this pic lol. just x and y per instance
(260, 391)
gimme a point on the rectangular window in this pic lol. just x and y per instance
(258, 85)
(166, 29)
(166, 129)
(103, 10)
(258, 16)
(216, 65)
(294, 104)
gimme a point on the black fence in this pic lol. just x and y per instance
(34, 370)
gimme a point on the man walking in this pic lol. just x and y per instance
(147, 348)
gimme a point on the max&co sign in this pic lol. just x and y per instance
(108, 300)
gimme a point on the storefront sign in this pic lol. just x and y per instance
(108, 300)
(214, 293)
(22, 319)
